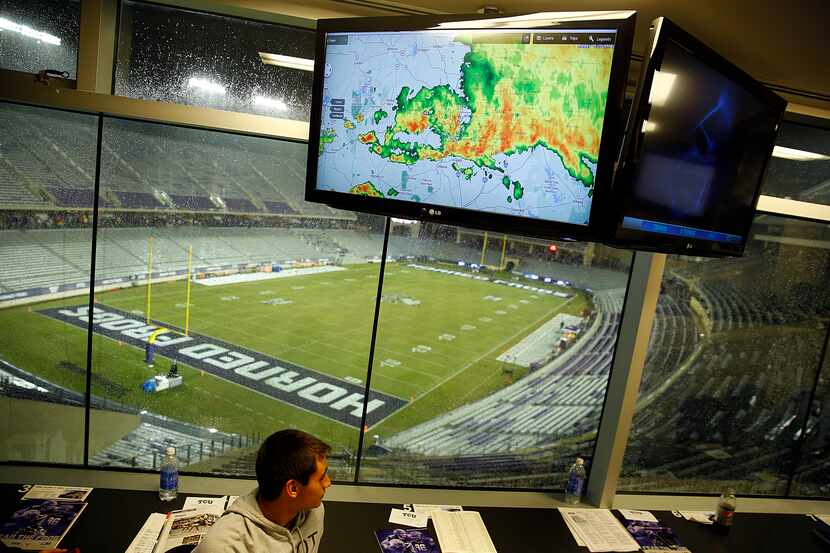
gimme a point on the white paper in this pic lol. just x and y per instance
(69, 493)
(428, 509)
(634, 514)
(600, 530)
(703, 517)
(185, 527)
(231, 499)
(145, 540)
(408, 518)
(214, 505)
(462, 532)
(580, 541)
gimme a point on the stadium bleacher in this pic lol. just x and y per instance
(45, 265)
(726, 392)
(49, 151)
(279, 208)
(72, 197)
(139, 162)
(145, 446)
(192, 203)
(138, 200)
(12, 189)
(240, 205)
(563, 398)
(62, 256)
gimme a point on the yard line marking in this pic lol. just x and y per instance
(397, 381)
(474, 361)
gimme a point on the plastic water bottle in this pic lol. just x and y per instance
(725, 513)
(576, 482)
(169, 482)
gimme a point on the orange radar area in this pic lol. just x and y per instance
(366, 189)
(512, 98)
(368, 138)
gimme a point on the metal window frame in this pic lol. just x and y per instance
(626, 374)
(93, 95)
(96, 47)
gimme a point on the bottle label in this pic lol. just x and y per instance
(574, 486)
(725, 516)
(169, 479)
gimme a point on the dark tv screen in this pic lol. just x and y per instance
(468, 123)
(703, 139)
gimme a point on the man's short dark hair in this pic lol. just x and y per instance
(287, 455)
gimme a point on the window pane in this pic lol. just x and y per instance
(200, 59)
(812, 478)
(40, 34)
(808, 178)
(272, 330)
(732, 359)
(47, 163)
(496, 378)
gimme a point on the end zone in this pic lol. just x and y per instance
(310, 390)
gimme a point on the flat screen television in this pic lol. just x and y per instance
(699, 137)
(501, 123)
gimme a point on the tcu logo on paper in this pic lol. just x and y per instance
(313, 391)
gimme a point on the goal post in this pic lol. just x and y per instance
(148, 310)
(149, 291)
(187, 293)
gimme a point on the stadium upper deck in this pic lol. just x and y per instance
(47, 160)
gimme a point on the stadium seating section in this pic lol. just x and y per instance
(48, 159)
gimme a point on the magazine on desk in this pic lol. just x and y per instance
(185, 528)
(166, 532)
(399, 540)
(653, 537)
(40, 523)
(63, 493)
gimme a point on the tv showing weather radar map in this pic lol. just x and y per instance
(505, 123)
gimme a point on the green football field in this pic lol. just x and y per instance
(438, 339)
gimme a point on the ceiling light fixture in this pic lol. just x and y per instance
(543, 19)
(205, 85)
(661, 88)
(797, 155)
(271, 103)
(290, 62)
(6, 25)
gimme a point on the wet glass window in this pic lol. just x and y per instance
(40, 34)
(812, 475)
(732, 365)
(227, 63)
(229, 307)
(800, 165)
(47, 168)
(494, 351)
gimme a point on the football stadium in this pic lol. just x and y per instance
(226, 306)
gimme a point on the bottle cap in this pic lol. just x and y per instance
(170, 451)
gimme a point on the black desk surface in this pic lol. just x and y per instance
(113, 517)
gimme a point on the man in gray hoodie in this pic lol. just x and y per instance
(285, 513)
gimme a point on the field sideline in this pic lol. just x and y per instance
(438, 339)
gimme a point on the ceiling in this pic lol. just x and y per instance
(780, 43)
(783, 44)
